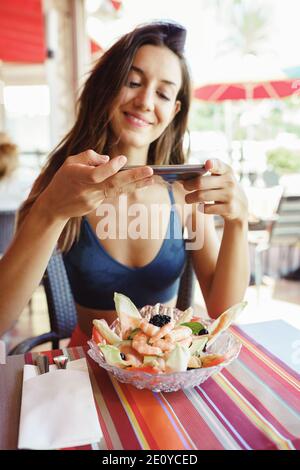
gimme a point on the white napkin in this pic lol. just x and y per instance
(58, 408)
(2, 352)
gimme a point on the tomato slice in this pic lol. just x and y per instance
(213, 361)
(97, 337)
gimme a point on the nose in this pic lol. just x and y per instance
(145, 99)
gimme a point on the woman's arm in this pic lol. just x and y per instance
(24, 264)
(222, 269)
(77, 188)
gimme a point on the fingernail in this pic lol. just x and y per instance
(148, 171)
(122, 160)
(104, 158)
(149, 180)
(145, 182)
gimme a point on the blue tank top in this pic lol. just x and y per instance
(94, 275)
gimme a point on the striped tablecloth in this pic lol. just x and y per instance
(252, 404)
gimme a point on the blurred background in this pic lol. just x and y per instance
(245, 64)
(243, 56)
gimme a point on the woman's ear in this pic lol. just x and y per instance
(177, 108)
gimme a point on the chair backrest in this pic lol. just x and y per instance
(7, 229)
(187, 285)
(286, 229)
(61, 305)
(264, 202)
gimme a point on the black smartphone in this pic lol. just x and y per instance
(173, 173)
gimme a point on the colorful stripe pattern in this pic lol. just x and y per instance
(254, 403)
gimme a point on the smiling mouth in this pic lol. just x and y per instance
(136, 121)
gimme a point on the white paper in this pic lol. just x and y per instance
(58, 408)
(2, 352)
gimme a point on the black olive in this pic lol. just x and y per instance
(204, 331)
(160, 320)
(123, 356)
(204, 349)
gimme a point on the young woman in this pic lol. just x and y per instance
(135, 103)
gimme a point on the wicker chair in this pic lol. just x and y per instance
(279, 243)
(61, 306)
(7, 228)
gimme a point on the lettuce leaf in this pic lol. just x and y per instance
(198, 344)
(196, 327)
(178, 359)
(105, 331)
(112, 355)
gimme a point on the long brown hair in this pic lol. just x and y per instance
(91, 129)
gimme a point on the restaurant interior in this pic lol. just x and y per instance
(249, 120)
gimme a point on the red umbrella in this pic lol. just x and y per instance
(246, 78)
(273, 89)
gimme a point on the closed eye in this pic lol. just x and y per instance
(133, 84)
(163, 96)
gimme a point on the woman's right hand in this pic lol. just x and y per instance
(85, 180)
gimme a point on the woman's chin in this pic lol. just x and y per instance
(134, 142)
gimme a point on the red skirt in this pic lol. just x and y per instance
(78, 338)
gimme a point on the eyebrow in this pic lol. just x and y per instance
(140, 71)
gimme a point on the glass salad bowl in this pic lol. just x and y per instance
(225, 344)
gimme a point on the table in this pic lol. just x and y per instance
(251, 404)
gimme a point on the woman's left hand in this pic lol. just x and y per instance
(221, 187)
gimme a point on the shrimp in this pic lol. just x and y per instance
(163, 331)
(139, 343)
(131, 355)
(133, 361)
(148, 328)
(158, 362)
(179, 333)
(164, 345)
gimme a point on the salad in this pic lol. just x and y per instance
(160, 344)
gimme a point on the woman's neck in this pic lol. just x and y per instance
(134, 156)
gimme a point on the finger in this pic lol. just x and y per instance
(203, 183)
(89, 157)
(131, 187)
(123, 178)
(204, 196)
(217, 208)
(216, 166)
(92, 173)
(83, 172)
(144, 183)
(122, 183)
(108, 169)
(133, 175)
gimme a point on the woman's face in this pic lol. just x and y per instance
(147, 103)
